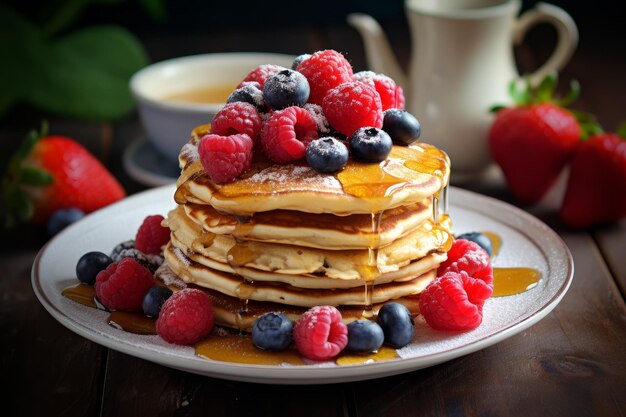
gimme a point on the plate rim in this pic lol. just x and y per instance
(309, 374)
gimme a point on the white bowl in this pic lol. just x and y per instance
(167, 123)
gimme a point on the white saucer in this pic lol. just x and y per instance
(145, 164)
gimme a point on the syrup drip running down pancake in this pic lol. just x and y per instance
(284, 237)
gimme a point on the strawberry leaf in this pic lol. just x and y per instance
(521, 97)
(18, 207)
(545, 89)
(621, 130)
(588, 124)
(572, 94)
(33, 176)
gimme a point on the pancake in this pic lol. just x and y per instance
(291, 259)
(284, 237)
(314, 230)
(235, 286)
(232, 312)
(409, 175)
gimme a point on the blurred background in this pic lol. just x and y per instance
(154, 30)
(69, 61)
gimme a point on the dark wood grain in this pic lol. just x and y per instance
(47, 369)
(562, 366)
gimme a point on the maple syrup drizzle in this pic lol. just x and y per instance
(512, 281)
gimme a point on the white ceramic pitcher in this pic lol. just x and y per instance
(461, 64)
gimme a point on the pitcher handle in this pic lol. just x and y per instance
(567, 34)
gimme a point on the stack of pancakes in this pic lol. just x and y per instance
(284, 238)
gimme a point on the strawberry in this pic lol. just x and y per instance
(48, 173)
(534, 139)
(596, 188)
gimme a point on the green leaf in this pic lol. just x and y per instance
(33, 176)
(588, 124)
(521, 97)
(621, 130)
(19, 207)
(572, 94)
(545, 89)
(86, 74)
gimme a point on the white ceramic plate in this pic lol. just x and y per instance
(527, 242)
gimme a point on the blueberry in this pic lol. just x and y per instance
(299, 60)
(402, 126)
(480, 239)
(370, 144)
(327, 155)
(90, 264)
(272, 331)
(62, 218)
(248, 92)
(286, 88)
(397, 324)
(154, 299)
(364, 336)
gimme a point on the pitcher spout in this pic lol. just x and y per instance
(380, 57)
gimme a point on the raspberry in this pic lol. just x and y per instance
(186, 317)
(454, 301)
(286, 134)
(237, 117)
(320, 334)
(384, 86)
(468, 256)
(353, 105)
(261, 73)
(399, 98)
(325, 70)
(224, 158)
(151, 236)
(122, 285)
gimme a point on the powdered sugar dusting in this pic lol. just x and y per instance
(316, 111)
(285, 174)
(165, 274)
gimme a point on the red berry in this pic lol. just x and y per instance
(320, 334)
(399, 98)
(384, 86)
(122, 285)
(325, 70)
(151, 235)
(286, 134)
(186, 317)
(454, 301)
(237, 117)
(596, 188)
(261, 73)
(468, 256)
(224, 158)
(353, 105)
(532, 144)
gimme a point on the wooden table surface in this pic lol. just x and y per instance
(571, 363)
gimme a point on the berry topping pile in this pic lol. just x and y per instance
(454, 300)
(285, 111)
